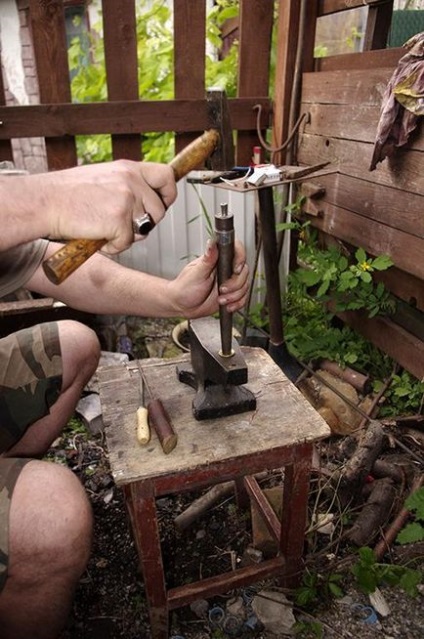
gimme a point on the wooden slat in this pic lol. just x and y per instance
(288, 27)
(49, 39)
(404, 285)
(327, 7)
(364, 60)
(120, 40)
(346, 87)
(189, 56)
(402, 171)
(379, 21)
(256, 19)
(6, 152)
(405, 250)
(123, 117)
(391, 207)
(352, 122)
(403, 347)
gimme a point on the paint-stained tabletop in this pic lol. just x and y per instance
(283, 419)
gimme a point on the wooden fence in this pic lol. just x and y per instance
(382, 210)
(124, 115)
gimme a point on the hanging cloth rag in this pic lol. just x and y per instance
(403, 102)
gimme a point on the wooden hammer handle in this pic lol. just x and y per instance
(70, 257)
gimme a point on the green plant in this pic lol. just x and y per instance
(404, 396)
(325, 283)
(414, 531)
(155, 53)
(346, 283)
(370, 574)
(317, 587)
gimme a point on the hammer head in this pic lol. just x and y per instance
(222, 157)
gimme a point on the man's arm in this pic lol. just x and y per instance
(103, 286)
(97, 201)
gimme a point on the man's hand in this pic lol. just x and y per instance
(195, 290)
(100, 201)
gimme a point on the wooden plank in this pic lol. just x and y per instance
(391, 207)
(402, 171)
(327, 7)
(345, 87)
(363, 60)
(120, 42)
(404, 285)
(189, 56)
(379, 21)
(123, 117)
(256, 20)
(288, 28)
(6, 152)
(47, 23)
(352, 122)
(405, 250)
(403, 347)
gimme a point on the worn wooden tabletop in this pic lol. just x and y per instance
(283, 418)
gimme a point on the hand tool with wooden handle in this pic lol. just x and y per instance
(73, 254)
(143, 428)
(160, 421)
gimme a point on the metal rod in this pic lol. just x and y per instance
(224, 233)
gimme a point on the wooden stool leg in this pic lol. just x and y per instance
(146, 534)
(294, 515)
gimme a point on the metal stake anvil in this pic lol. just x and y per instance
(217, 379)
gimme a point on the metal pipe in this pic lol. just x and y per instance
(224, 233)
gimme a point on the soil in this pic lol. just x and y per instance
(110, 601)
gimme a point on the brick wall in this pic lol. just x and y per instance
(29, 153)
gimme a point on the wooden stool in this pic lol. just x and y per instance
(278, 434)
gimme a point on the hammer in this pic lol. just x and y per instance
(216, 142)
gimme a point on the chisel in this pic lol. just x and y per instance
(143, 428)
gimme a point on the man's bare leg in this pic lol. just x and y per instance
(80, 355)
(50, 540)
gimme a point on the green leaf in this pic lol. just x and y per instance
(360, 255)
(366, 277)
(382, 262)
(410, 580)
(411, 533)
(415, 503)
(323, 288)
(309, 277)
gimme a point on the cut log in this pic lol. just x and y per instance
(357, 468)
(359, 381)
(202, 504)
(400, 520)
(374, 514)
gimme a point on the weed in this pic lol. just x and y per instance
(370, 574)
(414, 531)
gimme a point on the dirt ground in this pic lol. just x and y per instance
(110, 601)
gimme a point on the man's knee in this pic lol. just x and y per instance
(50, 524)
(80, 349)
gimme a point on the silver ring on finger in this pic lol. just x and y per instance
(143, 225)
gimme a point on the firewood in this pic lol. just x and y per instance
(202, 504)
(398, 523)
(360, 464)
(375, 512)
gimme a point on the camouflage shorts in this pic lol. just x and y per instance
(30, 383)
(30, 379)
(9, 473)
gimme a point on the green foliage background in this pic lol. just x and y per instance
(155, 54)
